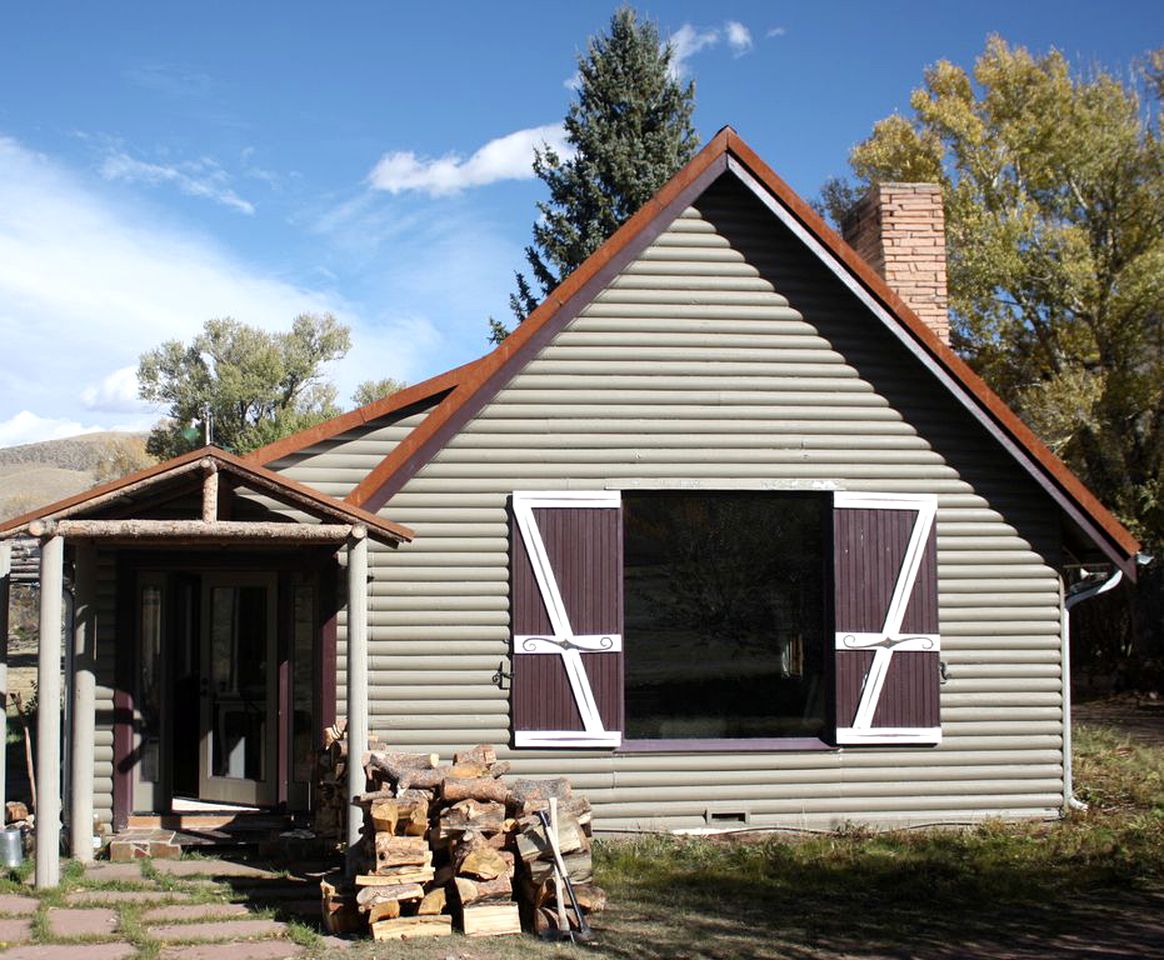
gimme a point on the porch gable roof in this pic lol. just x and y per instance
(142, 483)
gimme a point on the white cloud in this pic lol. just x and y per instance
(116, 393)
(199, 178)
(573, 82)
(86, 286)
(27, 427)
(506, 158)
(777, 32)
(739, 37)
(686, 42)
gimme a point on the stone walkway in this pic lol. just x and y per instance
(197, 909)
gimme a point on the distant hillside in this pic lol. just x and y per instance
(34, 474)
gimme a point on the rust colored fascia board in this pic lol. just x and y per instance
(405, 397)
(1057, 471)
(561, 306)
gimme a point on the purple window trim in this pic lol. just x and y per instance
(758, 745)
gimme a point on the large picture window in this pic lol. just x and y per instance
(725, 614)
(719, 620)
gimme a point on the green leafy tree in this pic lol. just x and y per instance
(254, 386)
(630, 129)
(372, 390)
(1054, 194)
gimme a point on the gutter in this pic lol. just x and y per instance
(1084, 590)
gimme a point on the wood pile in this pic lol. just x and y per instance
(449, 846)
(330, 809)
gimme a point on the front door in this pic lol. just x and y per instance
(238, 729)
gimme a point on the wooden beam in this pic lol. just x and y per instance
(195, 530)
(48, 717)
(210, 494)
(5, 598)
(357, 690)
(84, 684)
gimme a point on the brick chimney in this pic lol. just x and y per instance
(899, 229)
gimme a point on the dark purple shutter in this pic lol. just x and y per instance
(888, 645)
(566, 617)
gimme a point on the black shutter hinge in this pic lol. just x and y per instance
(944, 670)
(500, 677)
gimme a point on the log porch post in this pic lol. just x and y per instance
(357, 686)
(5, 599)
(84, 701)
(48, 715)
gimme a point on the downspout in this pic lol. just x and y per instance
(1069, 599)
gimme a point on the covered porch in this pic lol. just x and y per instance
(194, 606)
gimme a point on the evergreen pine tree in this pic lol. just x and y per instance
(630, 127)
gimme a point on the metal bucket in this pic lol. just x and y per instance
(11, 847)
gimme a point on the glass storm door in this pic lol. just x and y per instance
(237, 757)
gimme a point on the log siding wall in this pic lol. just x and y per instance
(725, 357)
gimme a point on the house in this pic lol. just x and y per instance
(724, 531)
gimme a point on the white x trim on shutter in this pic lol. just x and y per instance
(890, 639)
(563, 641)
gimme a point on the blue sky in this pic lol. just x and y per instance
(161, 164)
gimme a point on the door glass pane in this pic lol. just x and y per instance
(302, 685)
(238, 682)
(150, 680)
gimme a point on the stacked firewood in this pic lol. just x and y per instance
(547, 905)
(330, 809)
(455, 843)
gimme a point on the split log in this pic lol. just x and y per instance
(482, 753)
(483, 863)
(423, 779)
(415, 793)
(394, 851)
(339, 908)
(591, 898)
(400, 817)
(468, 770)
(15, 811)
(433, 903)
(381, 894)
(387, 876)
(412, 928)
(490, 921)
(488, 817)
(499, 769)
(576, 807)
(523, 792)
(483, 788)
(370, 797)
(545, 920)
(384, 910)
(404, 776)
(579, 868)
(472, 891)
(533, 844)
(411, 761)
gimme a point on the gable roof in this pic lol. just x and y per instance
(251, 475)
(468, 388)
